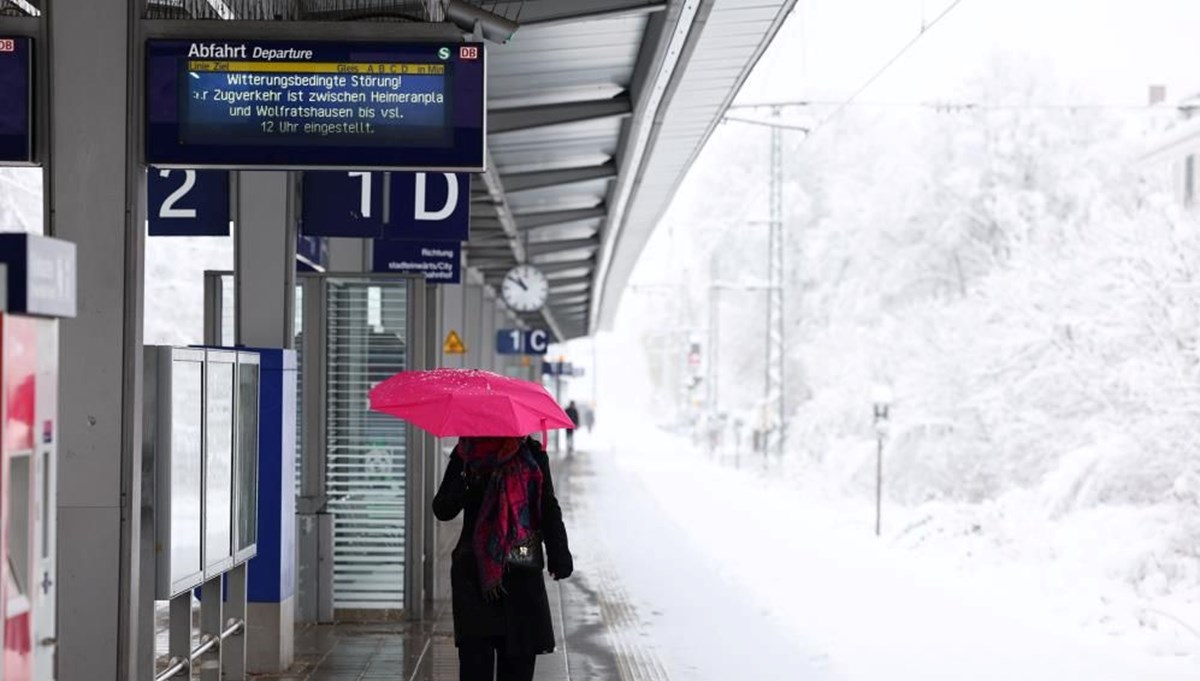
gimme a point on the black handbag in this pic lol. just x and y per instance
(527, 555)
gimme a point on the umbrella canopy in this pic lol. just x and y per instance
(469, 403)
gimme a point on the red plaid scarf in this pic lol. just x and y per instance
(511, 510)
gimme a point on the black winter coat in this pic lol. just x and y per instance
(522, 615)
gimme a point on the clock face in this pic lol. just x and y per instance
(525, 288)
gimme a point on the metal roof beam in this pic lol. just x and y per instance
(521, 182)
(530, 117)
(560, 217)
(572, 288)
(564, 282)
(495, 187)
(568, 299)
(566, 245)
(550, 12)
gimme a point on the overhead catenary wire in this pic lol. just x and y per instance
(925, 28)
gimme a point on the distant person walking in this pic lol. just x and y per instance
(573, 414)
(589, 418)
(502, 487)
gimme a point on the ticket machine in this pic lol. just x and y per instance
(37, 287)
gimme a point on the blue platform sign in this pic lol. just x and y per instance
(343, 203)
(187, 202)
(558, 369)
(40, 276)
(430, 206)
(16, 100)
(439, 261)
(522, 341)
(339, 104)
(312, 253)
(391, 205)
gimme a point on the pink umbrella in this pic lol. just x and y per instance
(469, 403)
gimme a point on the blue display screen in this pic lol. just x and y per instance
(252, 104)
(16, 100)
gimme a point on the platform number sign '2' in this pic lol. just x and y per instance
(389, 205)
(188, 202)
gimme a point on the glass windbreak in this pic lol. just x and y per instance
(366, 467)
(218, 473)
(248, 377)
(187, 465)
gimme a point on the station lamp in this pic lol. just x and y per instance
(478, 20)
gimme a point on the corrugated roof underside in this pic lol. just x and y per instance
(734, 36)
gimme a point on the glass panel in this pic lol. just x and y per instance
(299, 339)
(227, 311)
(187, 459)
(218, 472)
(46, 501)
(367, 451)
(247, 455)
(18, 521)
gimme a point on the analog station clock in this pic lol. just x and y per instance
(525, 288)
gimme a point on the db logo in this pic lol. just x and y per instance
(468, 52)
(8, 45)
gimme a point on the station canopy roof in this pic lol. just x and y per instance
(596, 109)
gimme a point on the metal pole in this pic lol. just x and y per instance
(879, 484)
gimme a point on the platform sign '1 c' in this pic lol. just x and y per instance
(522, 341)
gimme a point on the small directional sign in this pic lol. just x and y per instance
(454, 344)
(522, 341)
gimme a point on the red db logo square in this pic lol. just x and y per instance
(468, 52)
(8, 45)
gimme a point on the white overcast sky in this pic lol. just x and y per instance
(1111, 49)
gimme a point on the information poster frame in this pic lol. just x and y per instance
(219, 463)
(178, 486)
(247, 418)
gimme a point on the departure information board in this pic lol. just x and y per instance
(16, 100)
(239, 104)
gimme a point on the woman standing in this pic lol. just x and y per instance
(501, 613)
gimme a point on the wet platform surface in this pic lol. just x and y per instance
(597, 632)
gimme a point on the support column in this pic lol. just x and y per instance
(264, 301)
(94, 197)
(432, 349)
(347, 255)
(472, 328)
(504, 363)
(488, 335)
(453, 314)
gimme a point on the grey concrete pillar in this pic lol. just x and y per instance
(94, 195)
(488, 334)
(348, 255)
(472, 330)
(265, 306)
(265, 260)
(453, 314)
(504, 363)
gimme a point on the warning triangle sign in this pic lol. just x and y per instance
(454, 344)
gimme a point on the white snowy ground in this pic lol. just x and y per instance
(738, 577)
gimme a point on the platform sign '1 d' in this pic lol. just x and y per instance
(16, 101)
(389, 205)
